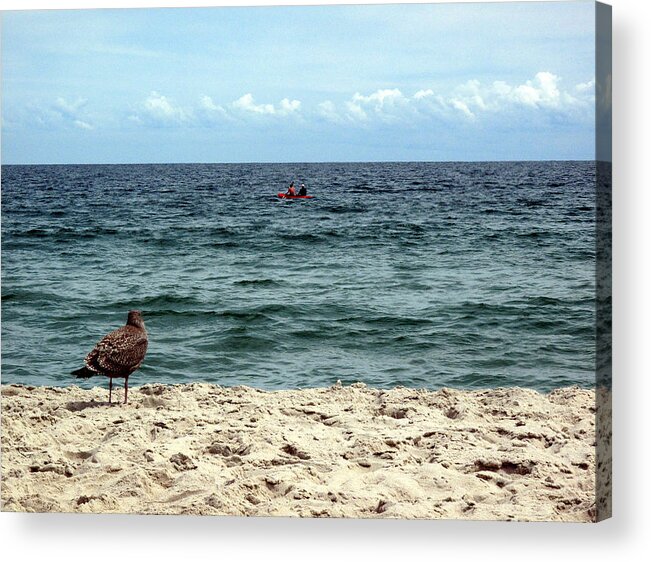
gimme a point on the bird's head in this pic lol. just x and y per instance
(135, 319)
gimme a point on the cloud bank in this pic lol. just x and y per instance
(472, 101)
(469, 102)
(541, 98)
(159, 110)
(57, 114)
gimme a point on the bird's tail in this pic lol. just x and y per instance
(83, 373)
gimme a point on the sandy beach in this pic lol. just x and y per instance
(343, 451)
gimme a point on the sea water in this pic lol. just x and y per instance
(466, 275)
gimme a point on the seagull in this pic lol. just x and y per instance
(118, 354)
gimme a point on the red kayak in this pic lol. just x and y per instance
(285, 196)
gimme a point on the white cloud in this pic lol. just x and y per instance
(379, 98)
(470, 101)
(160, 109)
(420, 94)
(287, 106)
(328, 111)
(463, 108)
(355, 111)
(82, 124)
(57, 114)
(247, 104)
(387, 105)
(501, 88)
(471, 93)
(540, 92)
(209, 105)
(211, 113)
(467, 103)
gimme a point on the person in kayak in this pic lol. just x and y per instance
(291, 191)
(303, 190)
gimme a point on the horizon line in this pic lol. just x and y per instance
(298, 162)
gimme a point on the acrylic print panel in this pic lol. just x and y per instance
(364, 272)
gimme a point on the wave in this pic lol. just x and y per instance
(341, 209)
(18, 296)
(258, 282)
(65, 232)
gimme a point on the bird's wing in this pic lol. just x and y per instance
(118, 351)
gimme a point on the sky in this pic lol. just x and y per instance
(411, 82)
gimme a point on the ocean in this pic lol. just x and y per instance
(465, 275)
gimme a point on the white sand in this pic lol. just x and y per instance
(347, 451)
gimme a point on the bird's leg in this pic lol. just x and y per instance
(126, 388)
(110, 388)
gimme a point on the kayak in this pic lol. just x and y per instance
(285, 196)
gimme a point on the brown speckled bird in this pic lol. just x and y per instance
(118, 354)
